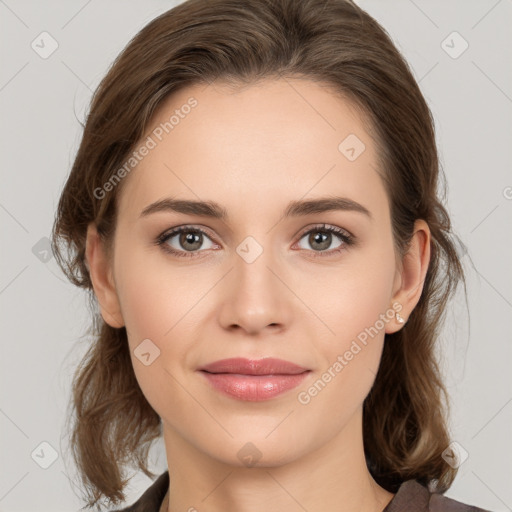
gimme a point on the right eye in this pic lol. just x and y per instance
(184, 241)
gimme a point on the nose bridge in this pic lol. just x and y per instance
(253, 277)
(255, 297)
(252, 265)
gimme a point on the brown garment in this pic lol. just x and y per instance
(411, 497)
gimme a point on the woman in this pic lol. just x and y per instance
(254, 209)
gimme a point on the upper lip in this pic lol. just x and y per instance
(265, 366)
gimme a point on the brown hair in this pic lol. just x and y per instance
(333, 42)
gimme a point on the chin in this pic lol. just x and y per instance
(256, 452)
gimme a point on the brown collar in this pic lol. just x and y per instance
(165, 502)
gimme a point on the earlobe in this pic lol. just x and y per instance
(100, 271)
(411, 276)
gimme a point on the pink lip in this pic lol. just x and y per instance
(254, 380)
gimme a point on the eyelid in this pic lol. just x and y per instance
(188, 227)
(327, 227)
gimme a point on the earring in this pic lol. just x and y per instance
(399, 318)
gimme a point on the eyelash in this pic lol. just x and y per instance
(345, 237)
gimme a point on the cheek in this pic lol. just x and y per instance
(154, 297)
(356, 304)
(356, 308)
(351, 297)
(143, 309)
(156, 305)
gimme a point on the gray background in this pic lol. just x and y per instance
(44, 317)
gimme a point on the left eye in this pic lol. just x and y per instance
(321, 238)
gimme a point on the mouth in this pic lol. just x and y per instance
(243, 366)
(254, 380)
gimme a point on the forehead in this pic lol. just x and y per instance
(275, 140)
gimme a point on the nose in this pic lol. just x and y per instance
(255, 297)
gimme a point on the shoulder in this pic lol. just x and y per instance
(152, 498)
(440, 503)
(415, 497)
(410, 497)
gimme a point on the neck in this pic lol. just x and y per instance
(331, 478)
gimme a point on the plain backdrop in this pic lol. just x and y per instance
(460, 54)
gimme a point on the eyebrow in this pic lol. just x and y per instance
(216, 211)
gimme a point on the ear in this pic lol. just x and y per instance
(410, 276)
(100, 270)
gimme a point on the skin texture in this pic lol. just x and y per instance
(253, 150)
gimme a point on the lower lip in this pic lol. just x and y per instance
(253, 387)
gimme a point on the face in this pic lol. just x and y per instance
(311, 286)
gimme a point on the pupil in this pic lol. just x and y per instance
(321, 238)
(191, 238)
